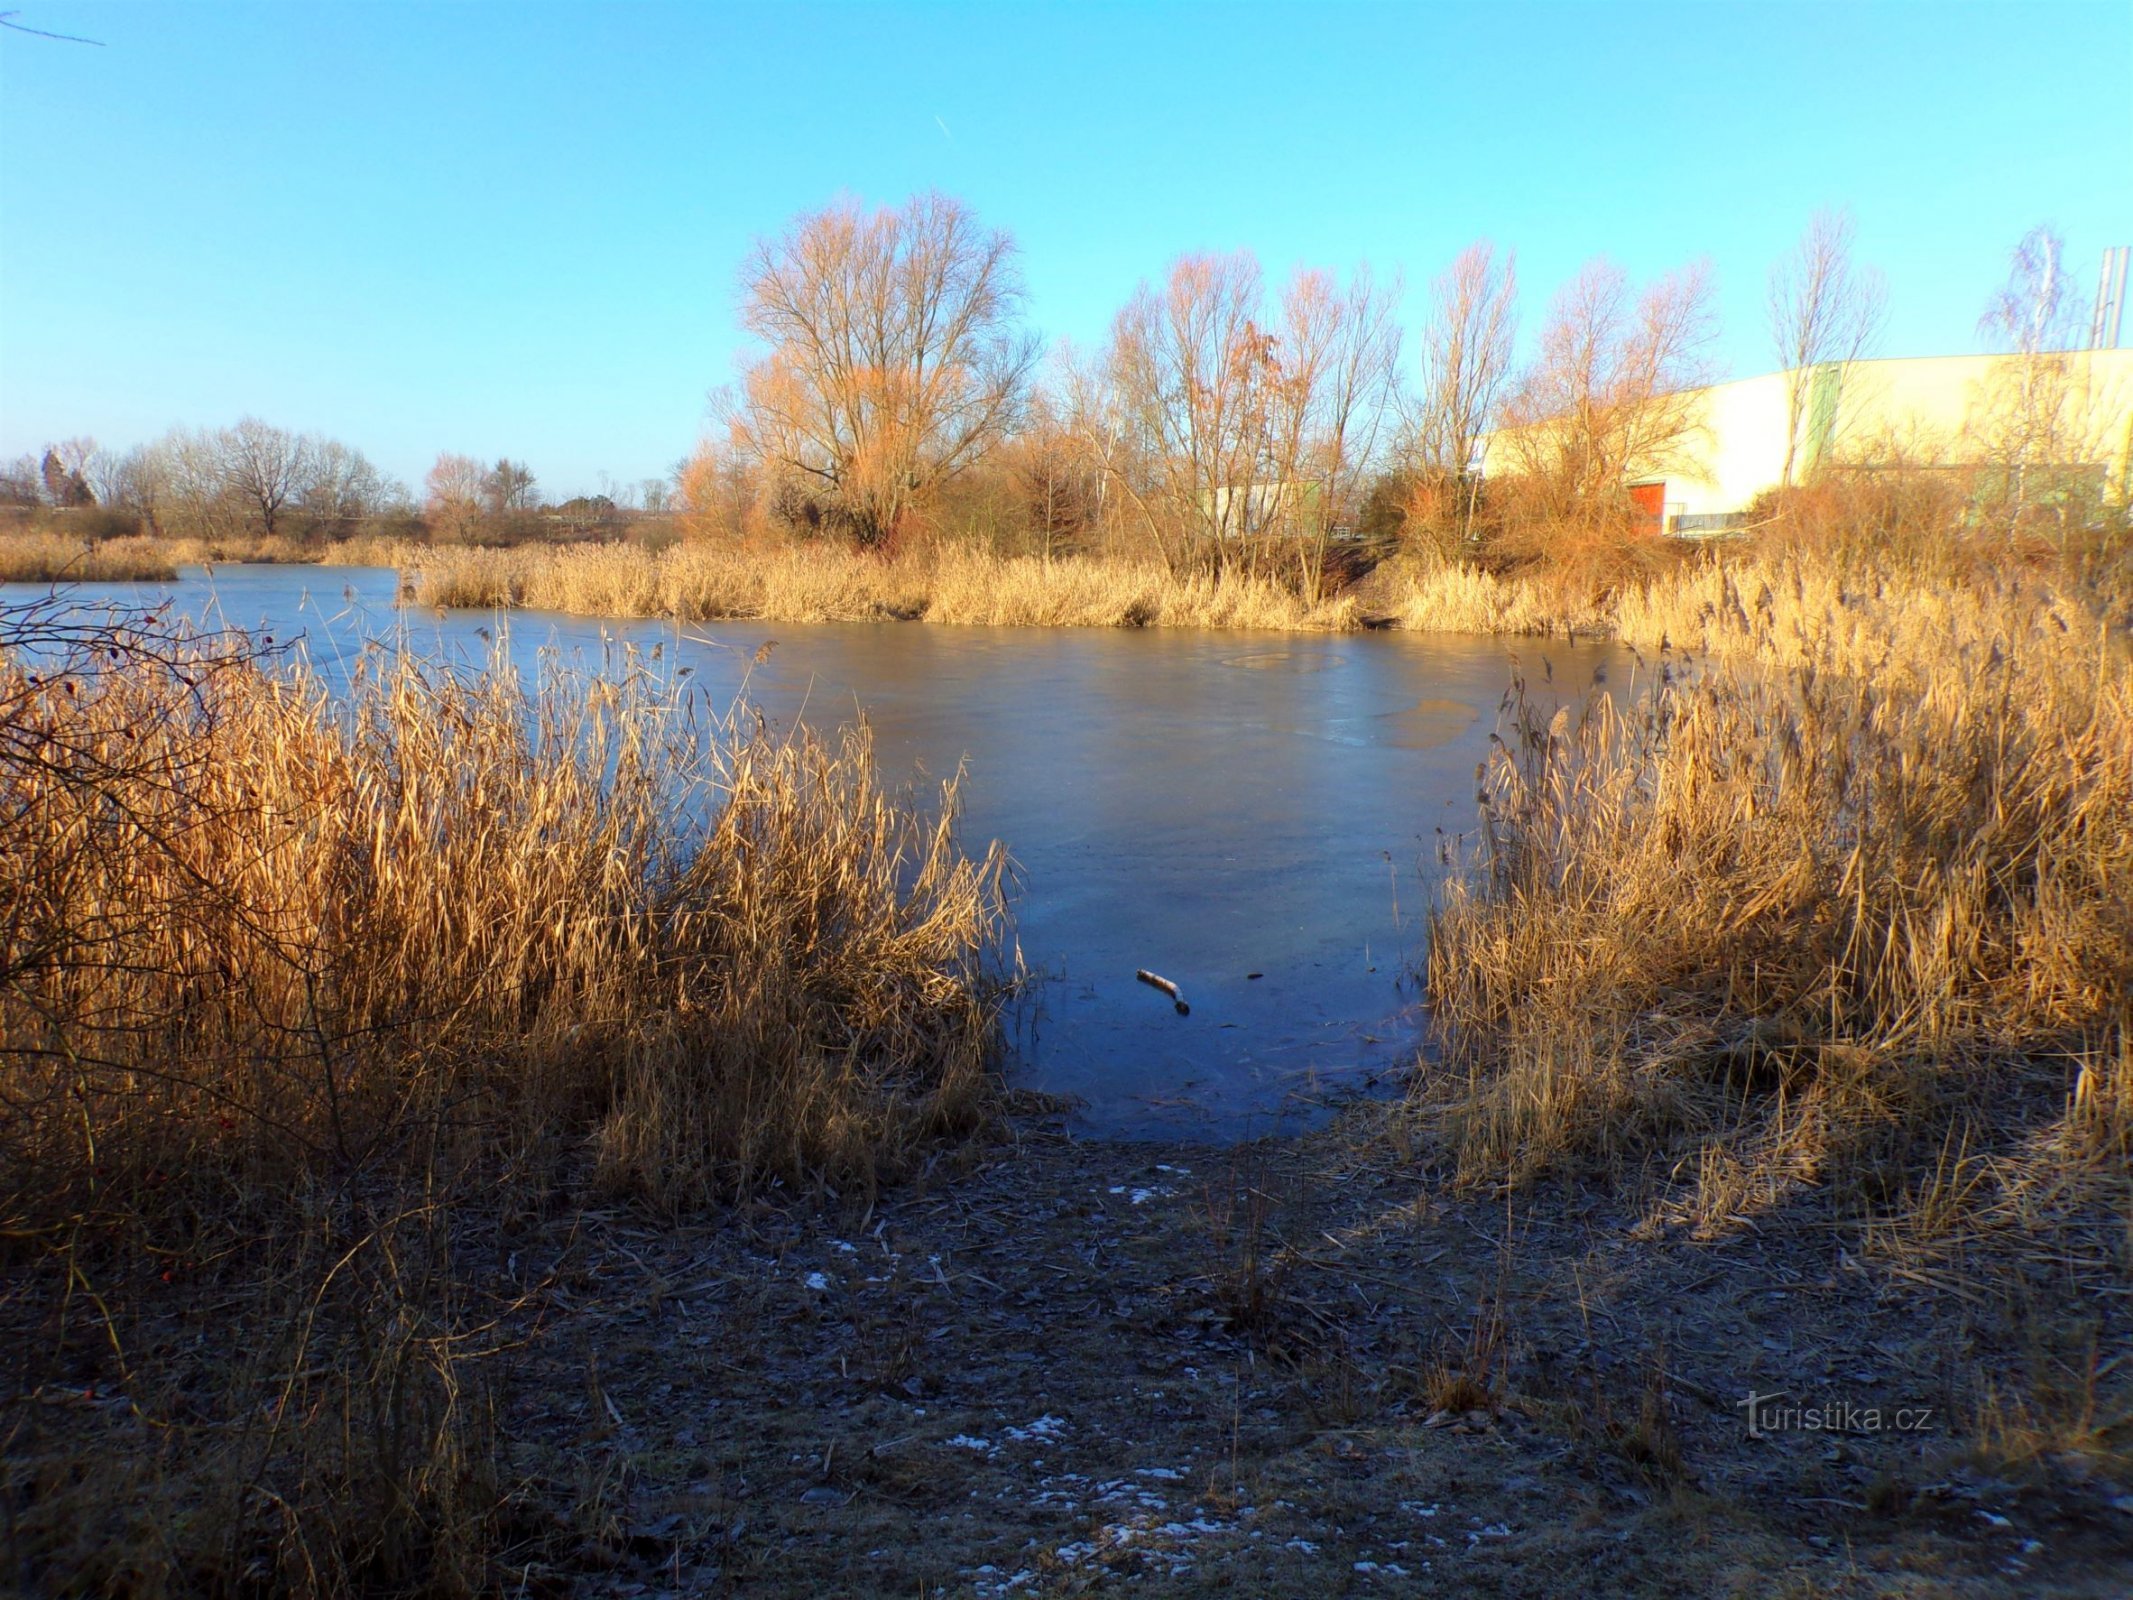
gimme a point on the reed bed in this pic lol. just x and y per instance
(42, 557)
(292, 987)
(1803, 916)
(951, 584)
(1453, 597)
(821, 583)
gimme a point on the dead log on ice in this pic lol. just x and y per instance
(1167, 987)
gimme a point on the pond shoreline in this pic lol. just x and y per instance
(1300, 1365)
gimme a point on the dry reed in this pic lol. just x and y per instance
(287, 981)
(823, 583)
(44, 557)
(1807, 907)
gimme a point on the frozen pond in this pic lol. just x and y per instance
(1211, 805)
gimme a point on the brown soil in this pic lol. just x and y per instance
(1300, 1367)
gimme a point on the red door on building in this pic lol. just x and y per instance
(1649, 500)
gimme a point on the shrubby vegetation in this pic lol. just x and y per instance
(297, 995)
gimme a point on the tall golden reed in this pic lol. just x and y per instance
(1797, 897)
(301, 995)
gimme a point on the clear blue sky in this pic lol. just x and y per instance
(516, 228)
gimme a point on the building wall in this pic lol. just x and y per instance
(1929, 410)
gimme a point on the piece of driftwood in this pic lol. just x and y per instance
(1167, 987)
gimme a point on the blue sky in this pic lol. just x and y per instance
(516, 228)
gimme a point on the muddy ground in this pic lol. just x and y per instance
(1301, 1367)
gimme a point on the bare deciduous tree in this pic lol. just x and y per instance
(1227, 427)
(453, 506)
(1611, 392)
(1334, 373)
(896, 356)
(343, 487)
(1824, 312)
(715, 492)
(264, 468)
(508, 488)
(22, 482)
(1185, 369)
(1056, 480)
(1466, 360)
(2034, 425)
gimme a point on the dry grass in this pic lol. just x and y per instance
(42, 557)
(1455, 597)
(287, 984)
(949, 584)
(825, 583)
(1802, 910)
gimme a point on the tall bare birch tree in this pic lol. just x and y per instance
(2034, 425)
(1824, 311)
(895, 356)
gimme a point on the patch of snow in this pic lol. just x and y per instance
(1302, 1547)
(964, 1441)
(817, 1281)
(1045, 1427)
(1167, 1474)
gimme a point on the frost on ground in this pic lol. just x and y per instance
(1055, 1375)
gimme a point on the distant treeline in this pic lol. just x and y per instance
(255, 480)
(1228, 426)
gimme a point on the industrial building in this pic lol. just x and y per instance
(2068, 413)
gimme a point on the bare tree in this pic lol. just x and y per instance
(1237, 433)
(715, 492)
(2035, 423)
(183, 477)
(1824, 312)
(343, 487)
(1611, 392)
(1056, 481)
(140, 484)
(1184, 442)
(453, 505)
(265, 467)
(1466, 361)
(508, 488)
(895, 356)
(1333, 374)
(22, 482)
